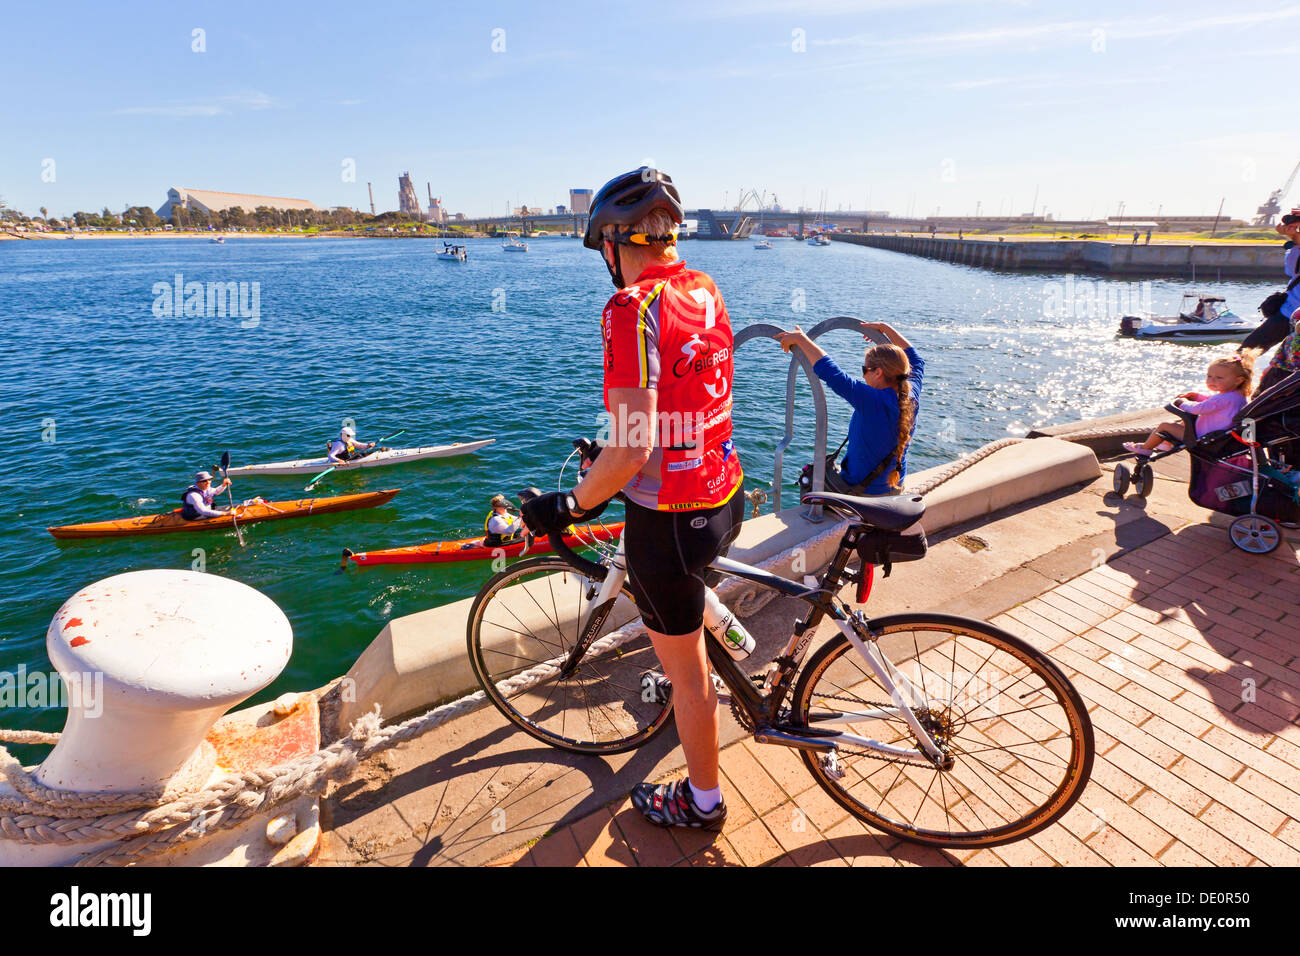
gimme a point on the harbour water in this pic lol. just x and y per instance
(114, 403)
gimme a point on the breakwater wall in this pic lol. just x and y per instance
(1204, 261)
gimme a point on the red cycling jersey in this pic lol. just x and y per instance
(669, 331)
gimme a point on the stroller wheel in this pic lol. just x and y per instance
(1255, 534)
(1145, 479)
(1122, 479)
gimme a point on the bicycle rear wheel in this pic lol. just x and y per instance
(522, 627)
(1017, 731)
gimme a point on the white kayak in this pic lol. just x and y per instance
(393, 456)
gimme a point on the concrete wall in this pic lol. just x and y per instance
(1203, 262)
(420, 659)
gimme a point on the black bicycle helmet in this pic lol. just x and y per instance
(623, 202)
(626, 200)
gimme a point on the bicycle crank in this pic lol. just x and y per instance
(796, 741)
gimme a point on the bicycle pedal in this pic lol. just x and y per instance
(656, 688)
(831, 764)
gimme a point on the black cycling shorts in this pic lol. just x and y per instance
(667, 555)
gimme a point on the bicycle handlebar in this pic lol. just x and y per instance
(591, 569)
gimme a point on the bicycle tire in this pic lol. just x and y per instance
(502, 644)
(1045, 678)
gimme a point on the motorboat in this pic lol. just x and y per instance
(220, 239)
(452, 253)
(763, 244)
(1200, 318)
(819, 240)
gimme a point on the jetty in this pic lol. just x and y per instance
(1192, 260)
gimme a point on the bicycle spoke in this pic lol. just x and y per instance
(597, 707)
(997, 712)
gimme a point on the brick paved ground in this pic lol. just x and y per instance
(1187, 652)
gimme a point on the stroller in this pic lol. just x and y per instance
(1251, 470)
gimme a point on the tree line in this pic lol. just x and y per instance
(261, 218)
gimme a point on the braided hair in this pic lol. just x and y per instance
(892, 360)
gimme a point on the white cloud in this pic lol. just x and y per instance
(756, 8)
(216, 106)
(1133, 28)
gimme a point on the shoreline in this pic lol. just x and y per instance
(228, 235)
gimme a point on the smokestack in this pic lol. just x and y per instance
(372, 198)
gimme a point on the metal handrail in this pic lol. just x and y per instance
(799, 360)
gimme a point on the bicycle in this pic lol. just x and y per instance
(938, 729)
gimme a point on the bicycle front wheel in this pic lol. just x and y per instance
(522, 630)
(1016, 730)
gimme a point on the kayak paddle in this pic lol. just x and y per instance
(225, 463)
(311, 484)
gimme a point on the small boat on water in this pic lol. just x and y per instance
(819, 240)
(247, 513)
(514, 244)
(220, 239)
(451, 253)
(764, 244)
(473, 549)
(388, 456)
(1200, 318)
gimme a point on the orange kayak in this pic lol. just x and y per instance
(473, 549)
(246, 514)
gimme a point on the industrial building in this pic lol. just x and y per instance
(406, 198)
(209, 201)
(579, 201)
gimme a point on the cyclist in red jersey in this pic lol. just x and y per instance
(667, 392)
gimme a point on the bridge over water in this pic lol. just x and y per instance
(712, 223)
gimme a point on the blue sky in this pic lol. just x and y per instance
(912, 105)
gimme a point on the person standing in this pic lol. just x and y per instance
(1280, 326)
(667, 390)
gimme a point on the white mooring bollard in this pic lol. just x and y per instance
(151, 660)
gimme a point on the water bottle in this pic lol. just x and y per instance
(724, 626)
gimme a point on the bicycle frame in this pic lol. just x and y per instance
(763, 704)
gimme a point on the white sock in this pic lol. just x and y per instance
(706, 800)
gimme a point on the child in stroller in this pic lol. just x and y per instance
(1247, 469)
(1228, 380)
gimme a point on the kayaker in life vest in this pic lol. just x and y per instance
(501, 527)
(196, 503)
(346, 447)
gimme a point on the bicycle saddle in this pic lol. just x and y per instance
(888, 513)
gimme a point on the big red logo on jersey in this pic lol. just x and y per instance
(670, 331)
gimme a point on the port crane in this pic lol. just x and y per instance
(1267, 213)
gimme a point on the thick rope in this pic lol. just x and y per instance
(151, 822)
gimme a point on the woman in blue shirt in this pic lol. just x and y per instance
(884, 404)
